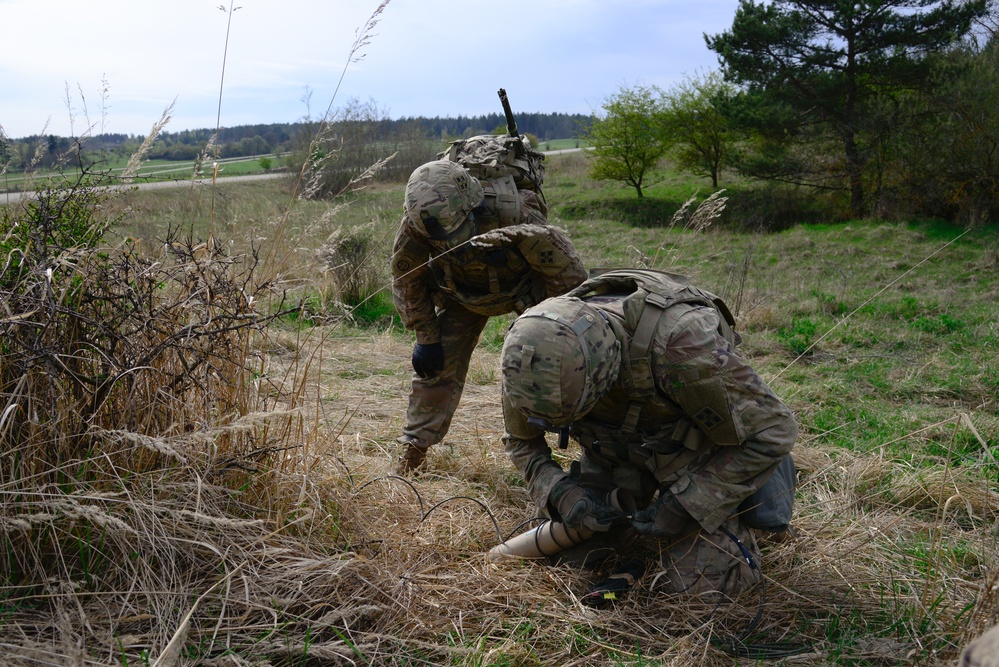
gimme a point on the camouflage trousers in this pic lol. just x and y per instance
(711, 566)
(433, 400)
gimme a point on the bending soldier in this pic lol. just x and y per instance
(639, 368)
(466, 250)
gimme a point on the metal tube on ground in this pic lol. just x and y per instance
(545, 540)
(552, 537)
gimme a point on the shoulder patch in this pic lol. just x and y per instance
(707, 418)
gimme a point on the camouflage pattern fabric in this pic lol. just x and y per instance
(983, 652)
(568, 329)
(710, 566)
(433, 400)
(446, 293)
(441, 192)
(699, 378)
(491, 156)
(734, 433)
(537, 262)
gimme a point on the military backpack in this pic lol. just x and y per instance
(494, 156)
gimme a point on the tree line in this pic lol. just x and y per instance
(46, 151)
(877, 107)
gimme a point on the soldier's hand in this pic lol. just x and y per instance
(428, 359)
(580, 508)
(666, 517)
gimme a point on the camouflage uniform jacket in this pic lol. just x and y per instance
(534, 261)
(710, 414)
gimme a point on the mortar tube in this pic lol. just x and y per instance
(551, 537)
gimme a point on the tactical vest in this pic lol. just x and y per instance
(655, 435)
(654, 428)
(488, 282)
(648, 296)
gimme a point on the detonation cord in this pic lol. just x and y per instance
(427, 513)
(758, 651)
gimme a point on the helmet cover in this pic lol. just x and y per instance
(558, 359)
(440, 196)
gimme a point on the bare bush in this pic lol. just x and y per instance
(111, 336)
(349, 258)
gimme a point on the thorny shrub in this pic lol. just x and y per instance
(99, 335)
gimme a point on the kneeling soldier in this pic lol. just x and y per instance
(640, 369)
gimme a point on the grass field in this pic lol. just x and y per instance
(172, 170)
(299, 548)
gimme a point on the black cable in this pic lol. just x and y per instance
(425, 514)
(397, 479)
(481, 504)
(736, 646)
(516, 530)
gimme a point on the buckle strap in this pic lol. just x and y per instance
(640, 380)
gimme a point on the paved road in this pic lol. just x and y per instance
(13, 197)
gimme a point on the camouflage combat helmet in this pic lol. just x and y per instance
(558, 359)
(440, 196)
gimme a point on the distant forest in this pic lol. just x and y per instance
(246, 140)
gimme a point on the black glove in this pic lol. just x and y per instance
(428, 359)
(580, 508)
(663, 518)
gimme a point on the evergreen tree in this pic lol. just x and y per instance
(836, 62)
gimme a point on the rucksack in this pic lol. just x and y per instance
(654, 292)
(491, 156)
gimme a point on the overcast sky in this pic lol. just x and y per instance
(423, 58)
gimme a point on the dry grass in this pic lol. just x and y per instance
(323, 559)
(252, 518)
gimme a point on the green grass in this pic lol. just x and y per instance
(886, 312)
(561, 144)
(149, 171)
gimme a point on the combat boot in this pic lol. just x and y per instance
(411, 460)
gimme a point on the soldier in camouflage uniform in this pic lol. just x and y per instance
(466, 250)
(639, 368)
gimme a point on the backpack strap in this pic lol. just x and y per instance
(502, 199)
(661, 292)
(639, 365)
(657, 307)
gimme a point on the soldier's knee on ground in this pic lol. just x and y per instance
(711, 566)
